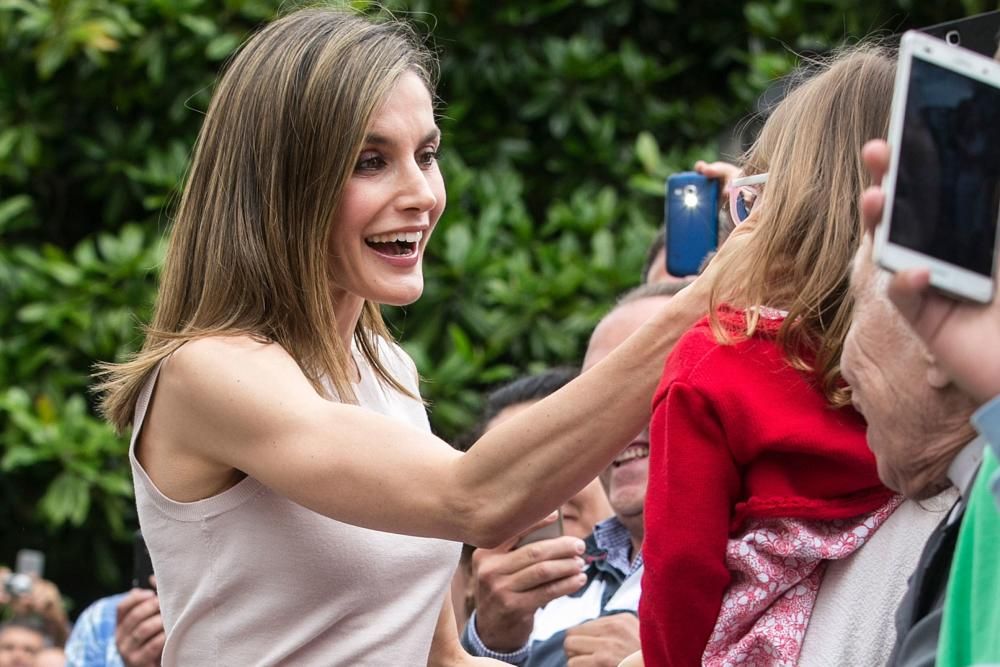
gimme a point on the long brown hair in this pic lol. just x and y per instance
(808, 222)
(248, 252)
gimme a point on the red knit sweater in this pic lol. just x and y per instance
(736, 433)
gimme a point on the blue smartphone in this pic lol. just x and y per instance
(691, 216)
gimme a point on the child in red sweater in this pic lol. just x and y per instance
(759, 469)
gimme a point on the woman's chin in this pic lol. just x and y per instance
(401, 297)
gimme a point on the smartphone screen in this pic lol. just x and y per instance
(948, 180)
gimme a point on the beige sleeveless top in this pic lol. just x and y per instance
(248, 577)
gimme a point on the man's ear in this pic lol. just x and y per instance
(936, 377)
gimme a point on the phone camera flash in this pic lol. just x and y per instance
(690, 198)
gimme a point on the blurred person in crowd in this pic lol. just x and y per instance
(918, 429)
(579, 514)
(963, 339)
(124, 629)
(284, 418)
(655, 268)
(44, 602)
(21, 640)
(52, 656)
(531, 610)
(757, 458)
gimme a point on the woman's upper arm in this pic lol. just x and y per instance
(248, 406)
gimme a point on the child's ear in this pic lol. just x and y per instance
(936, 377)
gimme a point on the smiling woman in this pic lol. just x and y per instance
(390, 206)
(296, 506)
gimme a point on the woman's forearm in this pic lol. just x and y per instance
(526, 466)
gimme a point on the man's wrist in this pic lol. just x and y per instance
(476, 645)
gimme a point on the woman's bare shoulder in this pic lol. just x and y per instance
(219, 366)
(215, 352)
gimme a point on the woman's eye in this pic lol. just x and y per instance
(429, 157)
(369, 162)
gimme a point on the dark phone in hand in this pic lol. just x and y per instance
(142, 566)
(691, 213)
(979, 33)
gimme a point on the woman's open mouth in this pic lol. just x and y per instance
(396, 244)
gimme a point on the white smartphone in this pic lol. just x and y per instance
(942, 191)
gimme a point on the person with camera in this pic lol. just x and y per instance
(28, 596)
(533, 607)
(124, 629)
(964, 339)
(119, 630)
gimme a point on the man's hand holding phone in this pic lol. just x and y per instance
(961, 335)
(139, 633)
(512, 582)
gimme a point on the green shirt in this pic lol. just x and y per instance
(970, 627)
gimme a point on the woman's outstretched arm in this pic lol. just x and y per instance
(225, 404)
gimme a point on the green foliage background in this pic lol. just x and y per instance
(561, 119)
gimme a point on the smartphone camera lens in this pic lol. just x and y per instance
(953, 38)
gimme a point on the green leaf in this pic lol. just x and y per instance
(603, 247)
(19, 456)
(8, 140)
(199, 25)
(33, 313)
(11, 208)
(222, 46)
(459, 242)
(67, 500)
(648, 152)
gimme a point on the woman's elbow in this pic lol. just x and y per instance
(483, 523)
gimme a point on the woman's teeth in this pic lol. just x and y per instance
(395, 243)
(408, 237)
(632, 453)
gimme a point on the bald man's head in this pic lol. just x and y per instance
(624, 481)
(623, 320)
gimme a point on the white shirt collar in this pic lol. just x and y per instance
(963, 468)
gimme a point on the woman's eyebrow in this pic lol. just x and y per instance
(382, 140)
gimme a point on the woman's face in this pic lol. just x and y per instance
(390, 204)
